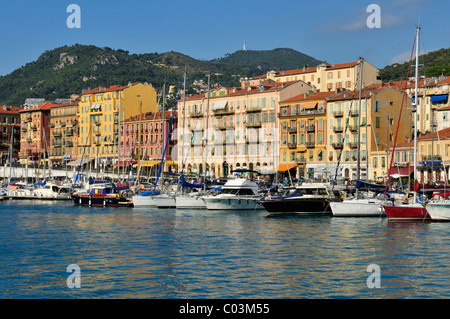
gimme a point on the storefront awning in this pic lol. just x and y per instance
(286, 167)
(397, 172)
(438, 98)
(77, 162)
(220, 105)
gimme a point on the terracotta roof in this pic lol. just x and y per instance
(442, 133)
(342, 65)
(444, 81)
(108, 89)
(10, 109)
(315, 96)
(296, 71)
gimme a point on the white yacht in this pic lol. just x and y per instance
(192, 200)
(165, 200)
(236, 194)
(52, 191)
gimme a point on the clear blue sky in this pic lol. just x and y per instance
(334, 31)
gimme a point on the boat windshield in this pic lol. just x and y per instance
(238, 191)
(311, 191)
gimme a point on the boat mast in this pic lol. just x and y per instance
(361, 61)
(415, 106)
(206, 129)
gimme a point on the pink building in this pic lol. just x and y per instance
(147, 142)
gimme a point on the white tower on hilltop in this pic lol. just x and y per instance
(244, 48)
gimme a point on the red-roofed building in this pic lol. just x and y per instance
(243, 128)
(10, 132)
(331, 77)
(35, 132)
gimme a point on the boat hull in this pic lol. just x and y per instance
(221, 203)
(162, 201)
(143, 201)
(189, 202)
(297, 205)
(358, 208)
(97, 200)
(415, 212)
(439, 211)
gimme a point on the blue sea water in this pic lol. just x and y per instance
(151, 253)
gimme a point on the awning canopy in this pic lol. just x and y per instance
(220, 105)
(77, 162)
(438, 98)
(96, 106)
(397, 172)
(124, 163)
(286, 167)
(310, 105)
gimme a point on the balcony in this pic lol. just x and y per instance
(253, 124)
(310, 144)
(225, 126)
(196, 114)
(338, 114)
(33, 127)
(353, 145)
(355, 113)
(292, 145)
(224, 111)
(24, 127)
(56, 134)
(57, 144)
(338, 129)
(337, 145)
(253, 110)
(310, 128)
(292, 129)
(69, 132)
(353, 128)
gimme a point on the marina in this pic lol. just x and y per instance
(170, 253)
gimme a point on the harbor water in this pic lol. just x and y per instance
(151, 253)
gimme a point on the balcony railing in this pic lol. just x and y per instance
(292, 145)
(253, 124)
(310, 144)
(292, 129)
(338, 129)
(223, 111)
(310, 128)
(338, 114)
(353, 145)
(337, 145)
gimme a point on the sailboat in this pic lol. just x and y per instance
(410, 211)
(193, 199)
(166, 199)
(359, 206)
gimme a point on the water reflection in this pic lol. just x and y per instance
(151, 253)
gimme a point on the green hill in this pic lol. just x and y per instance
(434, 63)
(68, 70)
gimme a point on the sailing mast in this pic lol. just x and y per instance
(361, 61)
(416, 106)
(163, 134)
(206, 130)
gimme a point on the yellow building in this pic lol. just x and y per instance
(303, 129)
(378, 116)
(329, 77)
(101, 110)
(63, 132)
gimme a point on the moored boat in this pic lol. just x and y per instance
(305, 199)
(236, 194)
(100, 196)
